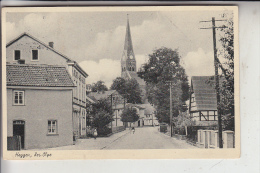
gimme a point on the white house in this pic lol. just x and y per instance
(26, 49)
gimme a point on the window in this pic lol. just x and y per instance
(17, 54)
(35, 55)
(52, 126)
(18, 97)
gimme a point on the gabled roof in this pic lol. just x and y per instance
(204, 92)
(37, 75)
(102, 95)
(139, 106)
(91, 99)
(47, 46)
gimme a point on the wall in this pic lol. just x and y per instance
(41, 106)
(47, 56)
(26, 45)
(117, 115)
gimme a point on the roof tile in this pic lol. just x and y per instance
(37, 75)
(205, 93)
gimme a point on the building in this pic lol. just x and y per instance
(116, 100)
(26, 49)
(203, 100)
(129, 71)
(140, 112)
(39, 105)
(149, 115)
(128, 63)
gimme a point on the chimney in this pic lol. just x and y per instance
(21, 61)
(51, 44)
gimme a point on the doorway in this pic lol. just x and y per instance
(139, 123)
(18, 130)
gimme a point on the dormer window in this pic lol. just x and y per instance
(35, 55)
(17, 54)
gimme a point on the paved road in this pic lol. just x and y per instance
(144, 138)
(148, 138)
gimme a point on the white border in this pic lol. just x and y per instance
(249, 161)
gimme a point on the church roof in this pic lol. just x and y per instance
(128, 40)
(140, 81)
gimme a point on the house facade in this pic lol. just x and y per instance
(26, 49)
(203, 101)
(149, 115)
(140, 112)
(117, 101)
(39, 105)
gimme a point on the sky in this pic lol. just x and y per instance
(96, 39)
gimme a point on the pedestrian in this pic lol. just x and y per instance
(95, 133)
(133, 130)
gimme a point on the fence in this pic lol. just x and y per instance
(14, 143)
(205, 136)
(210, 139)
(164, 128)
(192, 132)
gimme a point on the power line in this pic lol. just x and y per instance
(216, 62)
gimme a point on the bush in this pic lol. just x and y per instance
(104, 131)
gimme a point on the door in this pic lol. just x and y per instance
(139, 123)
(18, 130)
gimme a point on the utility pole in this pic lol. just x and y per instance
(112, 112)
(216, 77)
(170, 105)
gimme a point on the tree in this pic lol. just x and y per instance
(129, 89)
(119, 84)
(163, 66)
(99, 86)
(227, 85)
(129, 115)
(102, 115)
(133, 91)
(183, 119)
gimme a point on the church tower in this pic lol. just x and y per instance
(128, 62)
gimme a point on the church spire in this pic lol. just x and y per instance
(128, 63)
(128, 40)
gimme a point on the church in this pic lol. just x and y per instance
(128, 63)
(129, 71)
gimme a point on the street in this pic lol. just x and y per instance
(143, 138)
(148, 138)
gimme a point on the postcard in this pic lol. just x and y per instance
(136, 82)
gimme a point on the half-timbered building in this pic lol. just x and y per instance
(203, 100)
